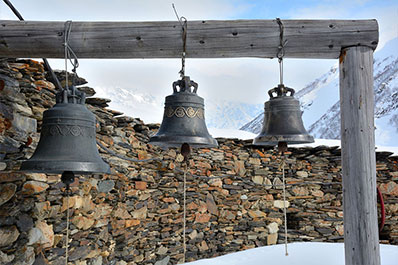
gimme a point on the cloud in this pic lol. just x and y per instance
(126, 10)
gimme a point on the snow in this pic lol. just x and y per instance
(332, 142)
(231, 133)
(244, 135)
(308, 253)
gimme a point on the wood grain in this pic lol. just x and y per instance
(205, 39)
(361, 237)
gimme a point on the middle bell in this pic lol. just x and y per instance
(183, 119)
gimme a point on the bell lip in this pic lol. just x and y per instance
(289, 139)
(194, 141)
(57, 167)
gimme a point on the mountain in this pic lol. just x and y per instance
(320, 101)
(220, 114)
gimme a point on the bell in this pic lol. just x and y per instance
(282, 119)
(183, 119)
(67, 140)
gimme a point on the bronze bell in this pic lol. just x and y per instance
(183, 119)
(68, 139)
(282, 119)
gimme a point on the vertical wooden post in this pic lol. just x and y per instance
(361, 238)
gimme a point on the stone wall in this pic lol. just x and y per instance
(134, 215)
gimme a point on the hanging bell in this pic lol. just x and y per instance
(183, 119)
(282, 119)
(68, 139)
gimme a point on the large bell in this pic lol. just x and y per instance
(282, 119)
(67, 140)
(183, 119)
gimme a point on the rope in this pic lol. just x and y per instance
(284, 204)
(183, 23)
(281, 49)
(185, 213)
(67, 230)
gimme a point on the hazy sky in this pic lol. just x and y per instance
(241, 80)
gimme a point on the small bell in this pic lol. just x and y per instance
(183, 119)
(282, 119)
(68, 139)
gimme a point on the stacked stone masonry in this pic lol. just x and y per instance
(134, 215)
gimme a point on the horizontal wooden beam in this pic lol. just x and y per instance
(322, 39)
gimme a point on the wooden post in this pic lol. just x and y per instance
(361, 238)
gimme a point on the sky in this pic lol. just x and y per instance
(244, 80)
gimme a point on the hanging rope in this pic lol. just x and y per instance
(71, 56)
(67, 228)
(281, 49)
(284, 202)
(184, 219)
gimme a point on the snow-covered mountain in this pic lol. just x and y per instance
(320, 101)
(220, 114)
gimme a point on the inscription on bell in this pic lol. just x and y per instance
(181, 112)
(68, 130)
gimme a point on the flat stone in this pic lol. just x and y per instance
(267, 184)
(239, 167)
(302, 174)
(37, 177)
(140, 185)
(390, 188)
(277, 183)
(4, 258)
(101, 102)
(324, 230)
(88, 90)
(257, 214)
(33, 187)
(140, 213)
(83, 222)
(162, 250)
(42, 234)
(105, 186)
(164, 261)
(258, 180)
(79, 253)
(202, 217)
(25, 256)
(23, 109)
(273, 228)
(7, 191)
(211, 205)
(300, 191)
(215, 182)
(203, 246)
(121, 212)
(24, 223)
(8, 235)
(281, 204)
(3, 166)
(132, 222)
(272, 239)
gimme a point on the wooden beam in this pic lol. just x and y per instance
(322, 39)
(361, 237)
